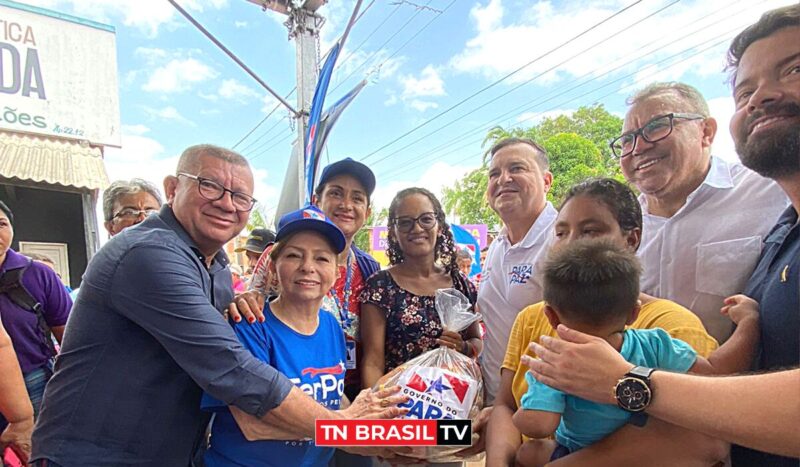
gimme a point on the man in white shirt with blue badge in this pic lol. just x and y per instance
(704, 218)
(519, 180)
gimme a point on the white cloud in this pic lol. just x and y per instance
(135, 130)
(151, 54)
(391, 100)
(336, 15)
(268, 105)
(234, 90)
(148, 16)
(421, 105)
(179, 75)
(240, 24)
(169, 113)
(429, 84)
(722, 109)
(504, 42)
(438, 175)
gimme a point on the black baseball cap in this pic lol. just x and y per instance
(258, 240)
(355, 169)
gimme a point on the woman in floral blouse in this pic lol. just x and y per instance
(398, 316)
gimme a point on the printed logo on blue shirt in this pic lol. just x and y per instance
(520, 274)
(325, 385)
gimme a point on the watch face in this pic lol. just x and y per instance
(632, 394)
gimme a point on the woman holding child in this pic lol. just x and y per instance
(601, 209)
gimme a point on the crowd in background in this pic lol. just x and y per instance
(587, 307)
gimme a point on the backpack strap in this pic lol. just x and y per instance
(11, 285)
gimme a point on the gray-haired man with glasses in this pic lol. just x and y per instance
(146, 338)
(704, 218)
(127, 203)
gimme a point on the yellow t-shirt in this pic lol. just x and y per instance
(531, 324)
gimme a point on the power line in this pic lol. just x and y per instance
(286, 136)
(269, 130)
(231, 55)
(494, 99)
(322, 59)
(495, 83)
(594, 75)
(358, 47)
(369, 57)
(724, 37)
(277, 106)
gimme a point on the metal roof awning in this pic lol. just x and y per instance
(49, 160)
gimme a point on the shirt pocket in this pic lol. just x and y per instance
(723, 267)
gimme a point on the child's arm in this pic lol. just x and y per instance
(536, 423)
(737, 353)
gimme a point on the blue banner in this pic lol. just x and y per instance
(465, 241)
(310, 155)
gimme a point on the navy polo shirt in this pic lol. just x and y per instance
(775, 284)
(144, 339)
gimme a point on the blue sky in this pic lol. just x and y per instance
(422, 57)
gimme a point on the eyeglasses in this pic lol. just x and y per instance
(212, 191)
(426, 220)
(130, 214)
(653, 131)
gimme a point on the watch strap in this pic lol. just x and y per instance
(641, 372)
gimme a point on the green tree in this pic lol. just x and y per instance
(572, 159)
(577, 146)
(467, 198)
(362, 239)
(258, 219)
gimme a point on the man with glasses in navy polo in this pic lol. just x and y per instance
(704, 218)
(146, 338)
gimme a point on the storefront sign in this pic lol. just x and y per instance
(58, 75)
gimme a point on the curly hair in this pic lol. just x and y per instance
(445, 249)
(617, 196)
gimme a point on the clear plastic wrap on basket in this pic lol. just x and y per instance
(442, 383)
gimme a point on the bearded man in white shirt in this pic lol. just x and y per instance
(519, 180)
(704, 218)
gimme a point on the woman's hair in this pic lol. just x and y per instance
(445, 249)
(271, 282)
(7, 211)
(617, 196)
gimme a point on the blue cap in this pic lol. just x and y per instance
(355, 169)
(311, 218)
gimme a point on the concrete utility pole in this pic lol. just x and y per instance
(303, 24)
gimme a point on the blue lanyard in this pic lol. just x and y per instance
(344, 306)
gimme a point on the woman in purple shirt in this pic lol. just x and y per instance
(33, 349)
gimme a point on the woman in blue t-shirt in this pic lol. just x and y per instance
(297, 338)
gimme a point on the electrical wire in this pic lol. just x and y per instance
(594, 75)
(495, 83)
(724, 37)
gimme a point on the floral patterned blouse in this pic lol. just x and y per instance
(412, 323)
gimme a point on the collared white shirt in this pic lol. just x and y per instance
(507, 286)
(708, 249)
